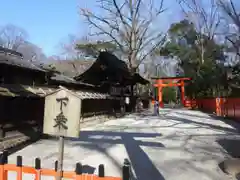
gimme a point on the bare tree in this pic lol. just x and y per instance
(204, 14)
(15, 38)
(12, 37)
(231, 14)
(68, 47)
(129, 25)
(31, 52)
(206, 18)
(54, 58)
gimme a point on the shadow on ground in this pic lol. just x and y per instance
(134, 142)
(199, 124)
(233, 123)
(140, 162)
(232, 146)
(88, 169)
(231, 165)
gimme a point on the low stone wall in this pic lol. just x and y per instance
(94, 111)
(94, 120)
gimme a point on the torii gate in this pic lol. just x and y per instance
(160, 83)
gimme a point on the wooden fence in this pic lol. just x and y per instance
(225, 107)
(38, 171)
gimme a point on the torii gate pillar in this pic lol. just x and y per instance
(160, 100)
(182, 92)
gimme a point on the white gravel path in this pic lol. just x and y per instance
(180, 144)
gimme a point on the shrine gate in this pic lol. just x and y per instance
(160, 83)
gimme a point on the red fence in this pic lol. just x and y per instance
(231, 107)
(225, 107)
(38, 171)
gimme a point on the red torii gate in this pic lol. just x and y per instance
(160, 83)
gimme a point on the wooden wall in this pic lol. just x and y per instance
(21, 112)
(16, 75)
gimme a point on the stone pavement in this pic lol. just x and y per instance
(179, 144)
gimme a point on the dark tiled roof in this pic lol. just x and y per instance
(83, 70)
(138, 78)
(72, 68)
(23, 90)
(62, 78)
(83, 94)
(13, 58)
(109, 69)
(11, 52)
(15, 90)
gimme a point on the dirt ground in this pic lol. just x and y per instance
(179, 144)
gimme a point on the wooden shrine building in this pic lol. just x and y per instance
(24, 86)
(112, 75)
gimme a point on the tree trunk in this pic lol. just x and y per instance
(133, 70)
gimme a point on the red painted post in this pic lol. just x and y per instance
(182, 93)
(160, 82)
(234, 115)
(2, 172)
(217, 101)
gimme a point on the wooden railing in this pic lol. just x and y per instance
(38, 171)
(224, 107)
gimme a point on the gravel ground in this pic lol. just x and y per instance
(179, 144)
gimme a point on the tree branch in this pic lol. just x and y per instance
(102, 31)
(128, 25)
(152, 49)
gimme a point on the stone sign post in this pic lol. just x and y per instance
(60, 125)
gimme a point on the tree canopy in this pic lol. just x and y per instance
(202, 59)
(92, 48)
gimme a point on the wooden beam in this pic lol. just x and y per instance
(172, 78)
(167, 85)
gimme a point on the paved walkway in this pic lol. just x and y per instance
(180, 144)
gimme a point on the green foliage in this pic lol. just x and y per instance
(169, 94)
(92, 49)
(233, 81)
(200, 57)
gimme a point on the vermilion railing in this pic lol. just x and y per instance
(225, 107)
(38, 172)
(231, 107)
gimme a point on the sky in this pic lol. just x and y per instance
(48, 22)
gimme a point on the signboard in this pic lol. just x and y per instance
(61, 121)
(127, 100)
(115, 91)
(120, 91)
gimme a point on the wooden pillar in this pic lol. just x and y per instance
(219, 102)
(182, 93)
(160, 82)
